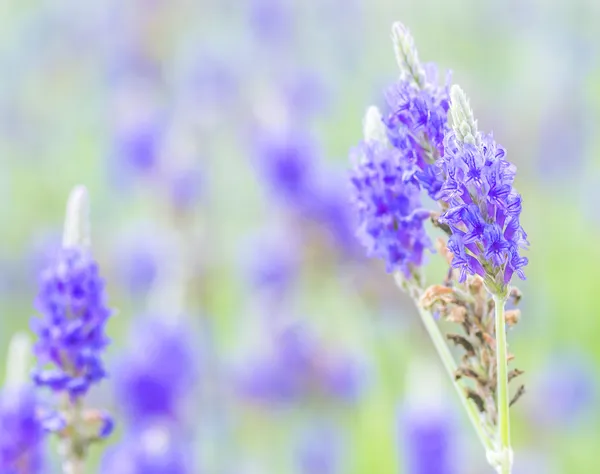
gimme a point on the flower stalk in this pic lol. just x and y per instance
(505, 451)
(447, 360)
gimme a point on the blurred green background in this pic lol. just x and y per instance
(532, 73)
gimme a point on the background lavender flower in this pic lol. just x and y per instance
(319, 450)
(483, 207)
(160, 372)
(299, 367)
(149, 450)
(563, 392)
(427, 432)
(71, 333)
(287, 162)
(21, 432)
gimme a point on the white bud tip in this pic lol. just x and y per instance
(463, 120)
(373, 127)
(18, 360)
(77, 220)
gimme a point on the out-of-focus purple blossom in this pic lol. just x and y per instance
(297, 367)
(565, 132)
(427, 442)
(137, 147)
(153, 380)
(72, 304)
(208, 83)
(186, 186)
(287, 165)
(21, 433)
(390, 214)
(318, 451)
(564, 392)
(149, 450)
(272, 263)
(271, 21)
(427, 432)
(306, 95)
(138, 121)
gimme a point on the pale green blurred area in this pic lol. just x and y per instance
(529, 69)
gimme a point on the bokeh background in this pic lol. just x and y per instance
(213, 137)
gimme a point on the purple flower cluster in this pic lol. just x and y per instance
(398, 159)
(297, 368)
(20, 432)
(428, 444)
(151, 451)
(152, 381)
(289, 163)
(483, 210)
(389, 208)
(416, 123)
(71, 333)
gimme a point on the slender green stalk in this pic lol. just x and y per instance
(449, 364)
(502, 388)
(448, 361)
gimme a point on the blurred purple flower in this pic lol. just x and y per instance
(287, 165)
(140, 254)
(151, 450)
(427, 442)
(21, 433)
(565, 391)
(271, 21)
(305, 95)
(153, 379)
(137, 147)
(71, 333)
(319, 450)
(186, 186)
(299, 366)
(272, 263)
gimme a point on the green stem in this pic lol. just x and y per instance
(502, 387)
(448, 361)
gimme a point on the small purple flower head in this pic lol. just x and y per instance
(483, 207)
(154, 378)
(71, 330)
(297, 367)
(271, 20)
(287, 163)
(388, 203)
(149, 450)
(565, 391)
(426, 427)
(272, 263)
(318, 450)
(21, 433)
(71, 301)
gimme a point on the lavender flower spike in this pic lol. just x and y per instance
(73, 311)
(389, 208)
(483, 207)
(483, 215)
